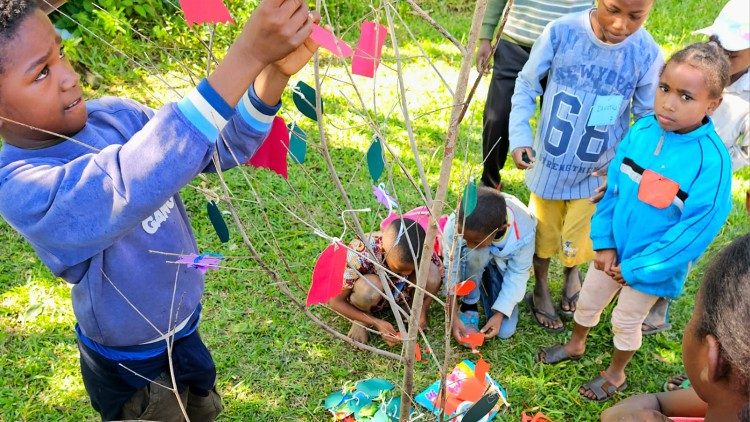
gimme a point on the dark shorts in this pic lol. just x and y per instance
(111, 384)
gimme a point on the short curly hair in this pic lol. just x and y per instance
(710, 59)
(12, 13)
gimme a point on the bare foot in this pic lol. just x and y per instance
(571, 290)
(358, 333)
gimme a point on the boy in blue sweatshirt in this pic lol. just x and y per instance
(669, 193)
(93, 186)
(601, 66)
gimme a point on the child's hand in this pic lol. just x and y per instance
(483, 54)
(605, 259)
(523, 157)
(616, 274)
(459, 330)
(492, 327)
(275, 29)
(298, 58)
(387, 332)
(599, 192)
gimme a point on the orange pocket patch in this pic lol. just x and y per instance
(657, 190)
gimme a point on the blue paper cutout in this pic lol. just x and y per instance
(374, 386)
(297, 143)
(304, 97)
(605, 110)
(469, 198)
(375, 162)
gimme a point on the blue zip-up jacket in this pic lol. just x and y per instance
(92, 215)
(657, 244)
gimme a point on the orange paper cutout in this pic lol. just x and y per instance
(481, 368)
(474, 340)
(465, 287)
(471, 390)
(417, 353)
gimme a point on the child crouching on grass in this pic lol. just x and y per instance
(714, 350)
(495, 249)
(80, 181)
(668, 195)
(398, 250)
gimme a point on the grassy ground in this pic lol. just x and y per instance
(273, 363)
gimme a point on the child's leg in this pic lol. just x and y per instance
(433, 286)
(657, 319)
(492, 284)
(575, 249)
(549, 216)
(627, 317)
(597, 291)
(366, 294)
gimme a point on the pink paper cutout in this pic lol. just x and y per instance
(328, 275)
(327, 40)
(369, 48)
(422, 216)
(202, 262)
(272, 152)
(383, 197)
(205, 11)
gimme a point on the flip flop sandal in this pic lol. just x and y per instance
(536, 311)
(680, 381)
(570, 300)
(596, 386)
(653, 329)
(554, 355)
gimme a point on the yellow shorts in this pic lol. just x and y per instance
(563, 229)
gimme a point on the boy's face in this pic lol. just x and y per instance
(477, 240)
(739, 61)
(683, 99)
(38, 87)
(618, 19)
(404, 269)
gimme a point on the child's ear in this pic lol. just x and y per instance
(718, 367)
(713, 105)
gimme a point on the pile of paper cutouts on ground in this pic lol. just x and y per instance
(471, 396)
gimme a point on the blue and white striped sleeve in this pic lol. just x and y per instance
(206, 110)
(257, 114)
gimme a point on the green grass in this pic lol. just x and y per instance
(273, 363)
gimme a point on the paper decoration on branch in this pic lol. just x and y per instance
(465, 287)
(330, 42)
(464, 391)
(272, 152)
(383, 197)
(369, 48)
(205, 11)
(328, 275)
(375, 161)
(417, 353)
(304, 97)
(469, 198)
(422, 216)
(297, 143)
(203, 262)
(217, 221)
(367, 402)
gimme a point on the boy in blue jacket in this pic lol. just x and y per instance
(669, 193)
(93, 186)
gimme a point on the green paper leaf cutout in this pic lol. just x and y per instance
(375, 162)
(482, 407)
(334, 400)
(217, 220)
(373, 386)
(469, 198)
(297, 143)
(304, 98)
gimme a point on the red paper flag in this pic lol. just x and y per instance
(481, 368)
(473, 340)
(328, 275)
(205, 11)
(327, 40)
(272, 152)
(369, 48)
(465, 287)
(417, 353)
